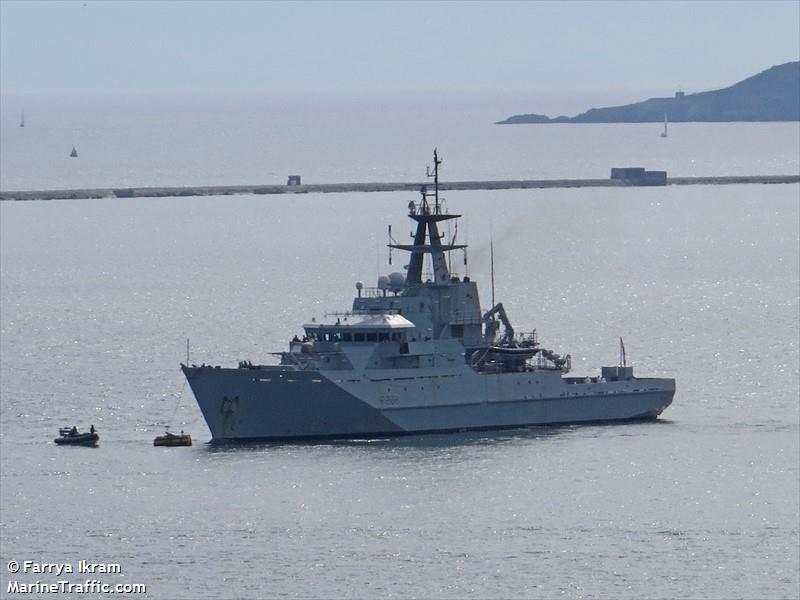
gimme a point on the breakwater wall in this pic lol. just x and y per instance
(322, 188)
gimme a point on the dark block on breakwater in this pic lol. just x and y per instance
(638, 176)
(655, 178)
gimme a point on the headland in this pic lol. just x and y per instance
(772, 95)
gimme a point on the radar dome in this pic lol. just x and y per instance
(383, 282)
(397, 281)
(359, 285)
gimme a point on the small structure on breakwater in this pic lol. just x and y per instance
(638, 176)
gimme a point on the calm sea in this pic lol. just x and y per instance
(98, 298)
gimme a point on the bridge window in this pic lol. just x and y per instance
(372, 337)
(347, 337)
(358, 337)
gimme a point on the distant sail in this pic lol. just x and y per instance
(664, 133)
(74, 153)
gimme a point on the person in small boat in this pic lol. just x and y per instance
(74, 430)
(295, 338)
(92, 429)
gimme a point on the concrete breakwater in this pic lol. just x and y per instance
(512, 184)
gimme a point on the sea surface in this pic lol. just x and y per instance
(99, 297)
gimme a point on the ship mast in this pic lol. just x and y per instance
(435, 175)
(427, 239)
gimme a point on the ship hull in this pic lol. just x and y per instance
(272, 404)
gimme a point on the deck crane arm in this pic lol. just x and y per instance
(491, 327)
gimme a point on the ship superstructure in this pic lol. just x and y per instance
(415, 354)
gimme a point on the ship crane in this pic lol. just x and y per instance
(492, 325)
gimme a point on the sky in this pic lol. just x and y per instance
(353, 47)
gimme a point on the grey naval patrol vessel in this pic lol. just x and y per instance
(415, 354)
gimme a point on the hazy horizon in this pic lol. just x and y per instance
(487, 49)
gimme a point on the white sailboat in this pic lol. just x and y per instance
(664, 133)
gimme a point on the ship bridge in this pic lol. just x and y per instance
(361, 328)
